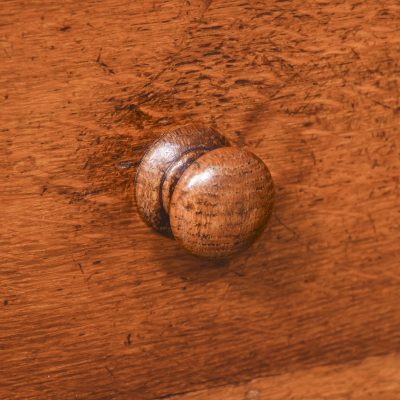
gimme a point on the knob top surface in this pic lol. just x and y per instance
(221, 203)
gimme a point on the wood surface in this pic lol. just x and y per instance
(94, 304)
(373, 378)
(162, 165)
(222, 203)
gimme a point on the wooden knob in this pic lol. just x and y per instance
(214, 199)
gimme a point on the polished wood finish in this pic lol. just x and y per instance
(222, 203)
(174, 173)
(165, 160)
(214, 200)
(95, 305)
(375, 378)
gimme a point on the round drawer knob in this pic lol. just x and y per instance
(214, 199)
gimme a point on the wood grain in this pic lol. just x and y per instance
(373, 378)
(154, 181)
(94, 305)
(222, 203)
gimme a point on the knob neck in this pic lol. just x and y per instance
(174, 172)
(163, 165)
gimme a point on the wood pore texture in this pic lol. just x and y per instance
(222, 203)
(95, 305)
(154, 185)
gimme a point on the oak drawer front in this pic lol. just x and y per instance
(95, 304)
